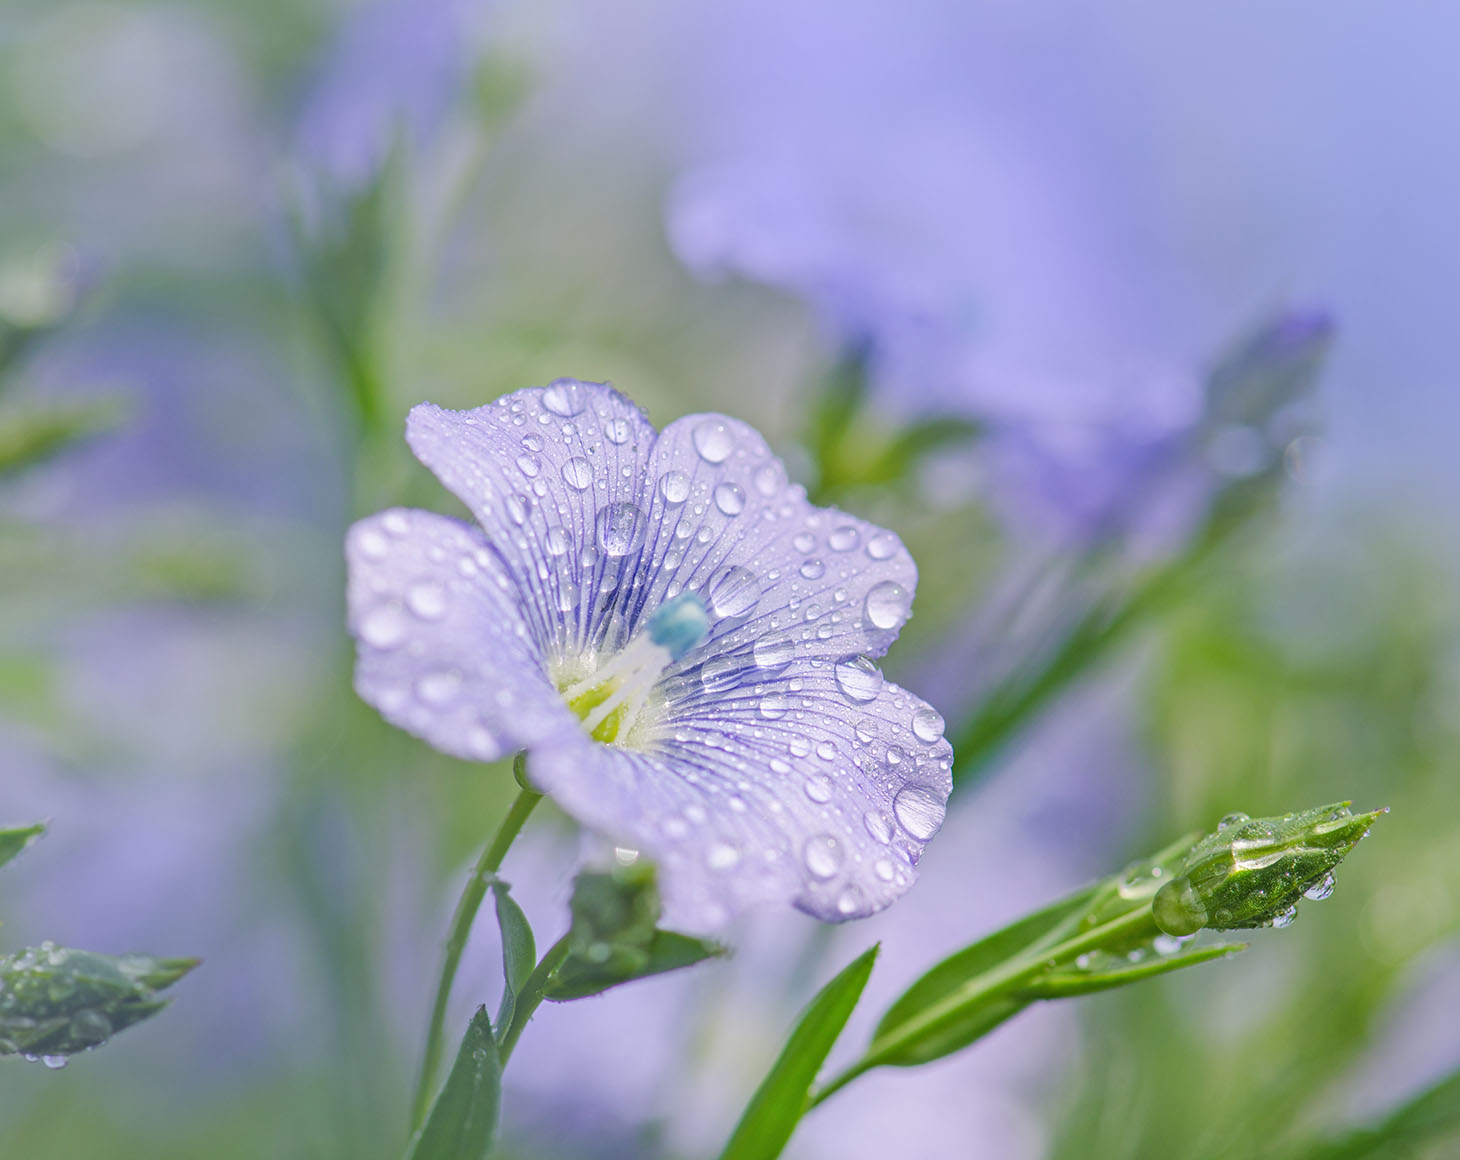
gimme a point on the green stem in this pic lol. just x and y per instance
(530, 997)
(461, 922)
(997, 983)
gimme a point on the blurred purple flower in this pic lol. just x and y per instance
(683, 645)
(395, 70)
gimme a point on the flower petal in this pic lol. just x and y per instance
(554, 476)
(806, 796)
(444, 650)
(782, 580)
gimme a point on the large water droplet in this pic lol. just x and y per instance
(616, 431)
(823, 856)
(1321, 889)
(620, 528)
(1233, 820)
(54, 1062)
(774, 706)
(730, 499)
(1178, 909)
(858, 678)
(919, 810)
(517, 507)
(565, 397)
(427, 599)
(878, 826)
(720, 674)
(674, 487)
(558, 542)
(849, 901)
(843, 539)
(372, 544)
(882, 546)
(927, 724)
(721, 856)
(578, 474)
(773, 651)
(887, 604)
(384, 626)
(713, 441)
(813, 569)
(529, 465)
(733, 591)
(818, 788)
(1284, 918)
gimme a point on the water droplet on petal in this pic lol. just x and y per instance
(517, 507)
(372, 544)
(730, 499)
(813, 569)
(439, 688)
(427, 599)
(878, 826)
(384, 626)
(565, 398)
(858, 678)
(721, 856)
(674, 487)
(927, 724)
(774, 706)
(529, 465)
(54, 1062)
(719, 674)
(843, 539)
(578, 474)
(849, 901)
(883, 869)
(882, 546)
(823, 856)
(887, 605)
(818, 788)
(773, 651)
(919, 810)
(620, 528)
(616, 431)
(712, 439)
(733, 591)
(804, 542)
(767, 480)
(558, 542)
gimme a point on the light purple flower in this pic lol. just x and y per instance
(770, 761)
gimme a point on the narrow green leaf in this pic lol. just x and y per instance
(1120, 972)
(1429, 1125)
(13, 842)
(993, 951)
(464, 1116)
(519, 950)
(780, 1101)
(667, 951)
(33, 433)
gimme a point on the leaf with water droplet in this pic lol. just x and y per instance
(1105, 972)
(780, 1101)
(464, 1117)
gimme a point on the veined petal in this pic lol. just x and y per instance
(444, 648)
(788, 790)
(554, 475)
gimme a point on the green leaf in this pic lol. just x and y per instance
(519, 950)
(35, 432)
(1107, 971)
(13, 842)
(58, 1001)
(781, 1100)
(464, 1116)
(667, 951)
(961, 1027)
(1429, 1125)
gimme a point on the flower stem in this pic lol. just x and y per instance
(530, 997)
(461, 922)
(995, 984)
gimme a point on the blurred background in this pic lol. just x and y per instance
(1136, 320)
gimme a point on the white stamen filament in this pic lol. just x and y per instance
(634, 671)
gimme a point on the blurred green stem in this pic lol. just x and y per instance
(1006, 979)
(530, 997)
(461, 923)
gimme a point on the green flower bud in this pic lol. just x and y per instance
(1252, 873)
(55, 1001)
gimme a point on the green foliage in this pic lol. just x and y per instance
(781, 1100)
(464, 1117)
(16, 840)
(34, 432)
(1425, 1128)
(519, 951)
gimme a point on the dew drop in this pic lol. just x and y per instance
(927, 724)
(1284, 918)
(517, 507)
(883, 869)
(529, 465)
(616, 431)
(887, 604)
(823, 856)
(427, 599)
(1321, 889)
(774, 706)
(720, 674)
(882, 546)
(849, 901)
(813, 569)
(843, 539)
(1233, 820)
(558, 542)
(818, 788)
(878, 826)
(919, 810)
(565, 398)
(372, 544)
(578, 473)
(733, 591)
(395, 523)
(54, 1062)
(532, 442)
(730, 499)
(713, 441)
(804, 542)
(773, 651)
(439, 688)
(858, 678)
(721, 856)
(384, 626)
(620, 528)
(674, 487)
(767, 480)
